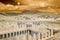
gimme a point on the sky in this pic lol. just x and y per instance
(50, 5)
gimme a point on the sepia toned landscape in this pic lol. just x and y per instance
(29, 19)
(29, 25)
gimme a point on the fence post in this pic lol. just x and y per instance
(51, 32)
(25, 37)
(34, 37)
(29, 36)
(39, 36)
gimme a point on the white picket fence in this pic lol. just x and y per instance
(36, 34)
(21, 31)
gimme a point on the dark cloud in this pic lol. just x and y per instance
(8, 2)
